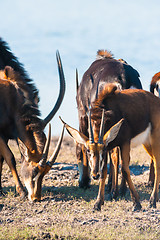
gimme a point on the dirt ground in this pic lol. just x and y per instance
(66, 211)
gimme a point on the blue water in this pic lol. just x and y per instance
(78, 28)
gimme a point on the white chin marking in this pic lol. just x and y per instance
(142, 138)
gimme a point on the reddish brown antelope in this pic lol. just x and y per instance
(20, 120)
(155, 84)
(135, 117)
(155, 89)
(105, 69)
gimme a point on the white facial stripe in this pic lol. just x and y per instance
(156, 93)
(36, 181)
(29, 188)
(100, 155)
(141, 138)
(101, 162)
(36, 177)
(91, 159)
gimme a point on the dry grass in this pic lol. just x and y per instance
(66, 212)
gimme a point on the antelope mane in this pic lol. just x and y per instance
(102, 54)
(108, 90)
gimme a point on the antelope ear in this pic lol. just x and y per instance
(23, 149)
(75, 134)
(112, 133)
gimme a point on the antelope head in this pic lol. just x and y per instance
(33, 172)
(157, 89)
(95, 149)
(155, 84)
(33, 145)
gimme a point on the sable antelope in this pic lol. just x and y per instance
(105, 69)
(155, 89)
(129, 118)
(155, 84)
(20, 120)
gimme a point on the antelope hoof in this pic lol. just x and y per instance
(122, 191)
(84, 183)
(108, 187)
(22, 196)
(97, 205)
(110, 197)
(21, 192)
(114, 194)
(136, 207)
(150, 184)
(152, 203)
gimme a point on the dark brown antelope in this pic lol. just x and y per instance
(129, 118)
(105, 69)
(20, 120)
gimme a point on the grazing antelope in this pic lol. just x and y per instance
(129, 118)
(105, 69)
(155, 89)
(20, 120)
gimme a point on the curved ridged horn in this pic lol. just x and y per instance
(61, 92)
(90, 130)
(77, 84)
(52, 159)
(42, 162)
(101, 131)
(97, 91)
(92, 79)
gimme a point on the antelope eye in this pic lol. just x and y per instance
(35, 172)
